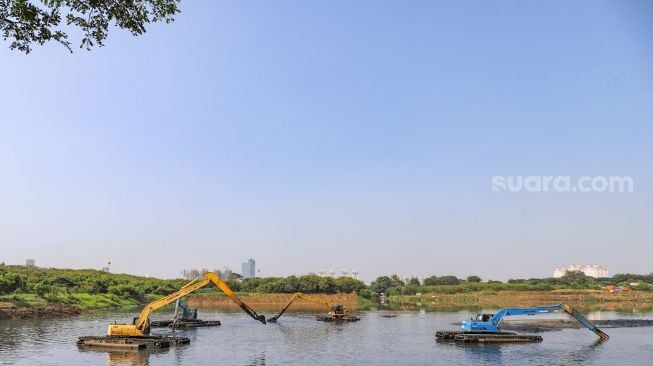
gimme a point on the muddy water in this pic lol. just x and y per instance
(407, 339)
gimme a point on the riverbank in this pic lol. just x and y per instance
(581, 299)
(48, 310)
(32, 306)
(27, 305)
(271, 301)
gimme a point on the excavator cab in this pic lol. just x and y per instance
(338, 310)
(483, 317)
(335, 312)
(192, 314)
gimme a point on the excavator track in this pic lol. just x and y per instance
(185, 324)
(327, 318)
(469, 337)
(132, 342)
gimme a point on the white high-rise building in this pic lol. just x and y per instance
(559, 272)
(590, 270)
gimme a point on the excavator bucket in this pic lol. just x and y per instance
(581, 319)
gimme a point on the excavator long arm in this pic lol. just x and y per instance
(141, 326)
(493, 324)
(581, 319)
(193, 285)
(295, 297)
(225, 288)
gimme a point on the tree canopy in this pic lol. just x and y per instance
(26, 22)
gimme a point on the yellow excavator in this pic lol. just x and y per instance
(335, 312)
(140, 326)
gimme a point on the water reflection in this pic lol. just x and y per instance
(581, 356)
(298, 339)
(258, 360)
(126, 357)
(476, 354)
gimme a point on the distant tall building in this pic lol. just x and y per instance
(30, 262)
(343, 273)
(590, 270)
(249, 269)
(224, 273)
(190, 274)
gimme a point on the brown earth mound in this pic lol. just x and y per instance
(272, 301)
(50, 310)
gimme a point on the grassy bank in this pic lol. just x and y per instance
(82, 301)
(33, 291)
(23, 288)
(581, 299)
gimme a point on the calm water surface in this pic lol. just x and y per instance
(407, 339)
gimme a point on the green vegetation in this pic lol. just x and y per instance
(393, 285)
(22, 286)
(28, 22)
(309, 284)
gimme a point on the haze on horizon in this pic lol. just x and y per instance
(337, 135)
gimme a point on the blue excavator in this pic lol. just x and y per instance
(486, 327)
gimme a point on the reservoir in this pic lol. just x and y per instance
(298, 339)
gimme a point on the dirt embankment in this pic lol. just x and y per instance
(271, 301)
(49, 310)
(582, 299)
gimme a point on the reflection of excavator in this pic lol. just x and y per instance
(485, 327)
(141, 325)
(335, 312)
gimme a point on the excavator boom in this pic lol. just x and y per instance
(295, 297)
(581, 319)
(302, 296)
(141, 326)
(225, 288)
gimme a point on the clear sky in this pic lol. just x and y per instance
(335, 134)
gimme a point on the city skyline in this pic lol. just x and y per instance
(590, 270)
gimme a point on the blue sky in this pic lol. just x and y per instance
(334, 134)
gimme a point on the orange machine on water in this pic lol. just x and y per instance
(335, 312)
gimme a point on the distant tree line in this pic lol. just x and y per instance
(308, 284)
(44, 281)
(393, 285)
